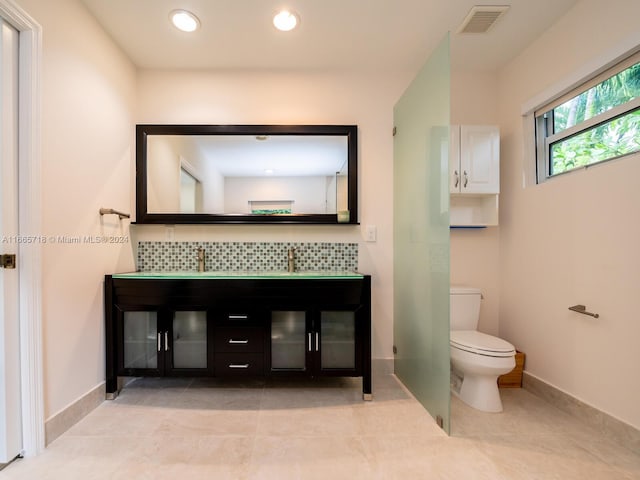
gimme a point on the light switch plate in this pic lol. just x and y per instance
(371, 233)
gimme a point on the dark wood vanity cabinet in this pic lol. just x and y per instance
(238, 327)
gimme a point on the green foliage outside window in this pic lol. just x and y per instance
(613, 138)
(271, 211)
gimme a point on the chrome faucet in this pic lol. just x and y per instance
(291, 257)
(200, 256)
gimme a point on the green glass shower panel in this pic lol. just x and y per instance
(421, 235)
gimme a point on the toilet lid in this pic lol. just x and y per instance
(481, 343)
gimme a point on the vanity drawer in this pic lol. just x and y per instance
(238, 339)
(238, 364)
(240, 318)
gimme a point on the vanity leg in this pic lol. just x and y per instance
(366, 364)
(367, 396)
(111, 379)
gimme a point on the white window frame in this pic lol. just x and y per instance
(543, 124)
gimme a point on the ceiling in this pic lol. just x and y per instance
(246, 156)
(355, 35)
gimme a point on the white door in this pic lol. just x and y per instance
(10, 406)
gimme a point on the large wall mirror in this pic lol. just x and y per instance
(247, 174)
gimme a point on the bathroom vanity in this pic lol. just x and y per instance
(237, 324)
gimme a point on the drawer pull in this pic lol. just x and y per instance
(238, 342)
(238, 317)
(238, 365)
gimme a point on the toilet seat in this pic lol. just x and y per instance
(481, 344)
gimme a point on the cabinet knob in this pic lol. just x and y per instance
(466, 179)
(457, 180)
(238, 342)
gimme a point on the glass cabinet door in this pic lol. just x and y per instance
(189, 335)
(337, 340)
(288, 340)
(141, 340)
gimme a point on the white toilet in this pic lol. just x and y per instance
(477, 359)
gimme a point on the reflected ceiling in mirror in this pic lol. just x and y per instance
(246, 174)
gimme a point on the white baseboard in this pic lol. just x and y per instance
(66, 418)
(382, 366)
(607, 425)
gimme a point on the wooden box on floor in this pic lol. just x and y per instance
(513, 379)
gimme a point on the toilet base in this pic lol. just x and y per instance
(481, 393)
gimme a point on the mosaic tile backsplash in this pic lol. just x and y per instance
(246, 256)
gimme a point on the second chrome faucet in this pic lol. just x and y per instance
(291, 260)
(200, 256)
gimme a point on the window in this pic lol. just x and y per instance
(598, 121)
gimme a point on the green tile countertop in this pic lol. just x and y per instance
(222, 275)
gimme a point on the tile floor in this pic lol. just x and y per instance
(206, 429)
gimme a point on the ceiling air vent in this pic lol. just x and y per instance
(481, 18)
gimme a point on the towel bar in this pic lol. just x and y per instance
(110, 211)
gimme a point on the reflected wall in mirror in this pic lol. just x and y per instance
(246, 174)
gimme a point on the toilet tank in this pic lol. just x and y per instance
(464, 305)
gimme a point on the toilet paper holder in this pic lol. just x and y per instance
(583, 310)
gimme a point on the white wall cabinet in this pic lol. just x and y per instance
(474, 175)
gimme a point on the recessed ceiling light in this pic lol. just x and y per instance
(184, 20)
(268, 171)
(286, 20)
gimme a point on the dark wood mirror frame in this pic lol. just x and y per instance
(143, 217)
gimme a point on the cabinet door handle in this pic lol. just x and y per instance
(238, 317)
(238, 365)
(466, 179)
(316, 341)
(159, 341)
(309, 338)
(457, 177)
(238, 342)
(166, 341)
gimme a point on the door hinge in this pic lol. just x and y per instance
(8, 261)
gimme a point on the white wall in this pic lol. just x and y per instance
(475, 253)
(163, 174)
(295, 98)
(574, 239)
(88, 93)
